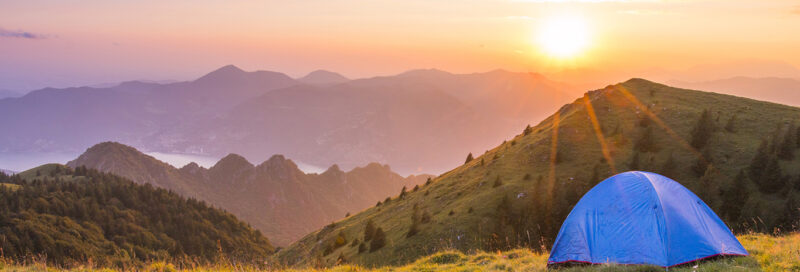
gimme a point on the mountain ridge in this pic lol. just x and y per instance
(274, 196)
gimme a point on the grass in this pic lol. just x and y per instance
(768, 253)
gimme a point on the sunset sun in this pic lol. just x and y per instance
(563, 36)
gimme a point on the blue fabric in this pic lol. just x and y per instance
(642, 218)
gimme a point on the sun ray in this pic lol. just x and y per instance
(599, 133)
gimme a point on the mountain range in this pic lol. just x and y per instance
(275, 196)
(320, 119)
(739, 155)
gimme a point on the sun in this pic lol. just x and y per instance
(563, 36)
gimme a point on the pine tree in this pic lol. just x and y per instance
(708, 188)
(646, 142)
(369, 230)
(527, 130)
(735, 197)
(497, 182)
(669, 167)
(378, 240)
(789, 143)
(469, 158)
(702, 130)
(634, 165)
(771, 179)
(730, 126)
(701, 165)
(415, 218)
(402, 193)
(788, 221)
(759, 162)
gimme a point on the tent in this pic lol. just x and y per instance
(642, 218)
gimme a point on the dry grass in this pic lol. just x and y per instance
(768, 253)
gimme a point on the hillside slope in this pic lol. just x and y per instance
(274, 196)
(84, 216)
(518, 193)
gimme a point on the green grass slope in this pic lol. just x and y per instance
(517, 194)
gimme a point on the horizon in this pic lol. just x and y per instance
(99, 42)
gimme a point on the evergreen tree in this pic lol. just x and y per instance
(708, 188)
(670, 166)
(735, 197)
(730, 126)
(415, 218)
(646, 142)
(788, 220)
(469, 158)
(402, 193)
(701, 164)
(369, 230)
(497, 182)
(759, 162)
(634, 165)
(771, 180)
(702, 130)
(789, 143)
(527, 130)
(378, 240)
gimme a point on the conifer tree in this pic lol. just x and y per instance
(735, 197)
(669, 167)
(702, 130)
(708, 188)
(527, 130)
(634, 165)
(646, 142)
(759, 162)
(730, 126)
(771, 179)
(789, 143)
(378, 240)
(415, 218)
(469, 158)
(402, 193)
(369, 230)
(701, 164)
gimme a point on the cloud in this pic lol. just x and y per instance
(20, 34)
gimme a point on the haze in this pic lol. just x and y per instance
(70, 43)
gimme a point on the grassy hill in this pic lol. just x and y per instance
(731, 151)
(76, 217)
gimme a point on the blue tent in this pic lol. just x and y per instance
(642, 218)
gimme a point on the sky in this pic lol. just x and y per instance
(62, 43)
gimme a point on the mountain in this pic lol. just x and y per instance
(84, 216)
(275, 196)
(46, 120)
(323, 77)
(7, 93)
(395, 120)
(739, 155)
(398, 120)
(773, 89)
(7, 172)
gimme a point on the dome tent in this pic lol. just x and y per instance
(642, 218)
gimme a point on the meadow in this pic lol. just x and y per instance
(767, 253)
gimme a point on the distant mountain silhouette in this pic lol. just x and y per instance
(274, 196)
(323, 77)
(397, 120)
(773, 89)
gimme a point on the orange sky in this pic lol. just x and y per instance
(97, 41)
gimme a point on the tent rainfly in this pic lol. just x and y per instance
(642, 218)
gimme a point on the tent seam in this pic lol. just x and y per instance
(663, 214)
